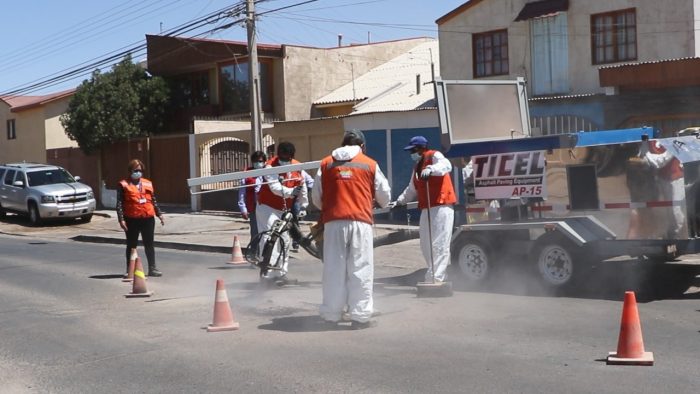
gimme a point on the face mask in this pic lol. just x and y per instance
(415, 156)
(136, 175)
(285, 162)
(258, 164)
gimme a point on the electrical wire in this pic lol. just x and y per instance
(14, 62)
(88, 67)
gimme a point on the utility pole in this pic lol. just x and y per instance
(253, 79)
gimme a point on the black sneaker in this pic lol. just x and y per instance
(356, 325)
(155, 273)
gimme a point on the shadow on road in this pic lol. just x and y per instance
(23, 221)
(404, 284)
(108, 276)
(302, 324)
(608, 281)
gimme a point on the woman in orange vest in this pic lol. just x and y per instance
(432, 186)
(136, 209)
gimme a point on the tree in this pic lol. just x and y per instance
(123, 103)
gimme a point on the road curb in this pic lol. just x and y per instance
(158, 244)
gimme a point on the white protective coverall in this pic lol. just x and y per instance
(672, 189)
(348, 253)
(442, 220)
(266, 216)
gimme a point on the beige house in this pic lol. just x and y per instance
(588, 64)
(32, 126)
(209, 85)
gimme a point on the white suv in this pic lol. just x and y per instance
(43, 191)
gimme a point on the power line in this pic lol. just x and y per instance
(74, 38)
(89, 66)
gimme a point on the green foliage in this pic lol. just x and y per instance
(124, 103)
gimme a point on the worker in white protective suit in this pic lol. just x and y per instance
(276, 195)
(671, 181)
(431, 185)
(344, 189)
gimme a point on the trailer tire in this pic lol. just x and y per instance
(475, 259)
(558, 261)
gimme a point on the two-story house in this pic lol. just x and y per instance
(209, 80)
(589, 64)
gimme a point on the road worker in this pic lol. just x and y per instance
(671, 182)
(431, 185)
(278, 194)
(248, 195)
(136, 212)
(345, 187)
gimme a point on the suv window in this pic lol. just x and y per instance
(49, 177)
(9, 176)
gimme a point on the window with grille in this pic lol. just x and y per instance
(614, 36)
(490, 53)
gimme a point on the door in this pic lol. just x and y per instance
(9, 192)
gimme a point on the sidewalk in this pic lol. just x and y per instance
(209, 231)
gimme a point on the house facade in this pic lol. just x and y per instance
(209, 81)
(575, 54)
(32, 126)
(390, 103)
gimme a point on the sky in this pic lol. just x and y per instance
(48, 38)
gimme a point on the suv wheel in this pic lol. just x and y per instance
(86, 218)
(34, 217)
(2, 212)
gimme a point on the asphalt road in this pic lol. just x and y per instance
(65, 327)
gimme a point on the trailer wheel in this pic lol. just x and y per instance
(475, 259)
(557, 260)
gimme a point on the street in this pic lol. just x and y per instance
(67, 328)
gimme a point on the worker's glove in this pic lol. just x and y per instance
(301, 214)
(425, 174)
(393, 204)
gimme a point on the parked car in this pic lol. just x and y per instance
(44, 192)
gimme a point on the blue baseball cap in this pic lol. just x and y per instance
(417, 141)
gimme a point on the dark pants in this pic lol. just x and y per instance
(145, 227)
(253, 224)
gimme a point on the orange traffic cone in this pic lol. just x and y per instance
(132, 264)
(139, 287)
(223, 317)
(237, 253)
(630, 345)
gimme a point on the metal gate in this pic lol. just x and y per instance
(220, 156)
(225, 155)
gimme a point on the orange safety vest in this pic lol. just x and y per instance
(441, 190)
(289, 179)
(670, 171)
(348, 189)
(138, 199)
